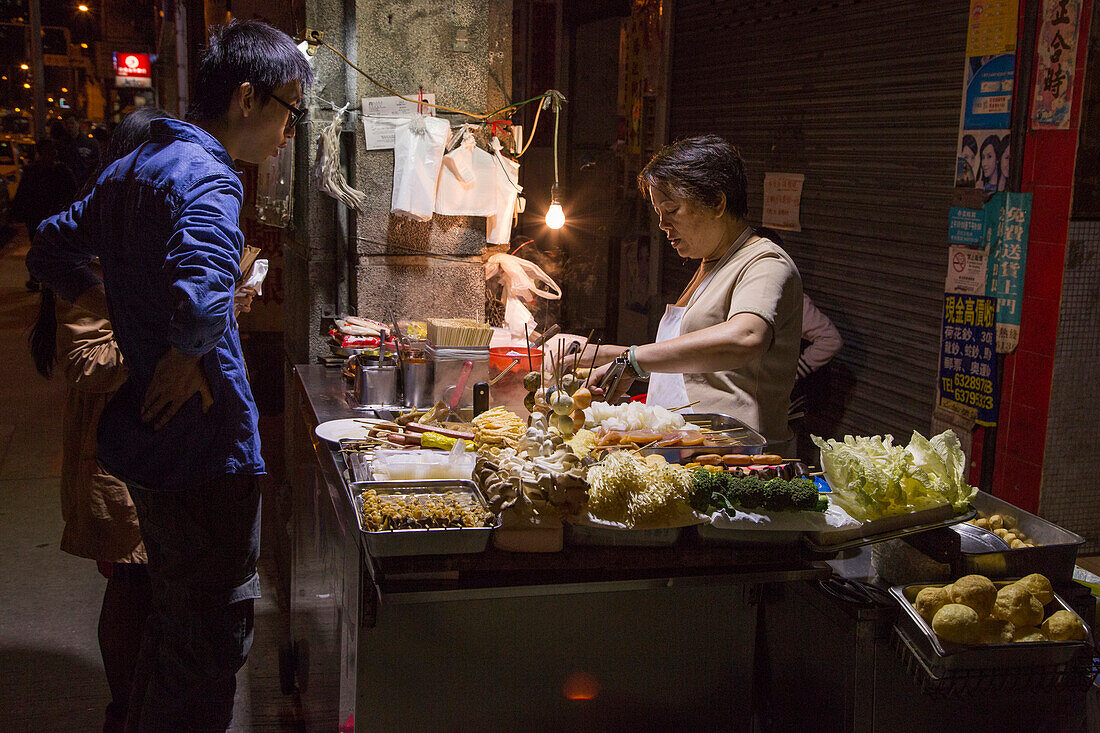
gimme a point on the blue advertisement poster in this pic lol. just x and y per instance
(965, 226)
(989, 92)
(968, 362)
(1007, 218)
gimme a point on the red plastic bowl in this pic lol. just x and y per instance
(501, 356)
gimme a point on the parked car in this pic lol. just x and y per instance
(14, 154)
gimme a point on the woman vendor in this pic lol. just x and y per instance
(730, 342)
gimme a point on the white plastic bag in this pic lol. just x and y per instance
(467, 181)
(417, 155)
(521, 280)
(506, 171)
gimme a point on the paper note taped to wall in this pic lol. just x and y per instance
(381, 115)
(782, 199)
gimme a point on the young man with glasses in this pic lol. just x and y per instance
(182, 431)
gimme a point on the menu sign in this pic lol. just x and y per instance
(968, 359)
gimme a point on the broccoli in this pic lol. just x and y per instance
(748, 492)
(704, 485)
(803, 494)
(777, 494)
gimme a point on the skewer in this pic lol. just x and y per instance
(376, 439)
(527, 338)
(595, 354)
(690, 404)
(577, 361)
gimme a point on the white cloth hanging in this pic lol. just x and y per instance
(506, 171)
(417, 156)
(467, 181)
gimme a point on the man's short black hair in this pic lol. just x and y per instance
(244, 51)
(701, 169)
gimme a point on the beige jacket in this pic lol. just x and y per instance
(757, 278)
(100, 519)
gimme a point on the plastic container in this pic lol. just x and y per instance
(422, 465)
(501, 356)
(446, 366)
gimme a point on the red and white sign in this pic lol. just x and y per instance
(133, 70)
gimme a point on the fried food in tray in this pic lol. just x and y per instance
(382, 513)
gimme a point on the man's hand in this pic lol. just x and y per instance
(242, 300)
(176, 378)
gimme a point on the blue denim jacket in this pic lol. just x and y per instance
(163, 222)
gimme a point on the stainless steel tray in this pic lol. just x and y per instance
(749, 442)
(887, 528)
(577, 533)
(943, 657)
(1054, 555)
(397, 542)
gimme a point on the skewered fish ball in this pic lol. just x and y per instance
(582, 398)
(569, 383)
(532, 381)
(564, 424)
(529, 401)
(562, 404)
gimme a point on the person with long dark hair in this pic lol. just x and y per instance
(100, 519)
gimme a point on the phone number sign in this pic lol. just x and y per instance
(968, 359)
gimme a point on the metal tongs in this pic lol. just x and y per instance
(611, 379)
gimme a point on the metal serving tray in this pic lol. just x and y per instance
(942, 658)
(1054, 554)
(749, 442)
(451, 541)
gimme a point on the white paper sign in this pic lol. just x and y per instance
(966, 270)
(782, 200)
(381, 115)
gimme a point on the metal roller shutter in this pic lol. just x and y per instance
(863, 98)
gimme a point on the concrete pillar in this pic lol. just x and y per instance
(430, 268)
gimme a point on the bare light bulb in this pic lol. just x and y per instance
(555, 217)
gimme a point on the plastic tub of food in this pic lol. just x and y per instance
(421, 465)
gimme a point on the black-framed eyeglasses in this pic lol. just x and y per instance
(297, 114)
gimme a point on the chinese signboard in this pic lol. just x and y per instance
(381, 115)
(1007, 218)
(133, 70)
(782, 199)
(992, 27)
(1057, 55)
(968, 361)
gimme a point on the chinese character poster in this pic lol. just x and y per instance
(782, 200)
(968, 359)
(1057, 56)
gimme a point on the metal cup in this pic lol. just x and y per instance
(416, 379)
(374, 384)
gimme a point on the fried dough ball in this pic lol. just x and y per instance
(1064, 626)
(996, 521)
(957, 623)
(1016, 604)
(1009, 521)
(996, 631)
(1017, 544)
(983, 523)
(1038, 585)
(1028, 633)
(1000, 532)
(1009, 537)
(976, 591)
(930, 600)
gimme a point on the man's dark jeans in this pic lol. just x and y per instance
(203, 544)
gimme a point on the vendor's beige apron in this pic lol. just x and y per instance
(670, 390)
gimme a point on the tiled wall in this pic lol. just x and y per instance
(1070, 496)
(1022, 425)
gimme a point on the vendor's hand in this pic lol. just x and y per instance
(176, 379)
(242, 300)
(597, 376)
(584, 359)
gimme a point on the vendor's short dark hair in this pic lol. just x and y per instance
(244, 51)
(700, 169)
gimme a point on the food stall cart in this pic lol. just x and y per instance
(589, 638)
(699, 634)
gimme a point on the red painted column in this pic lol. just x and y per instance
(1049, 158)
